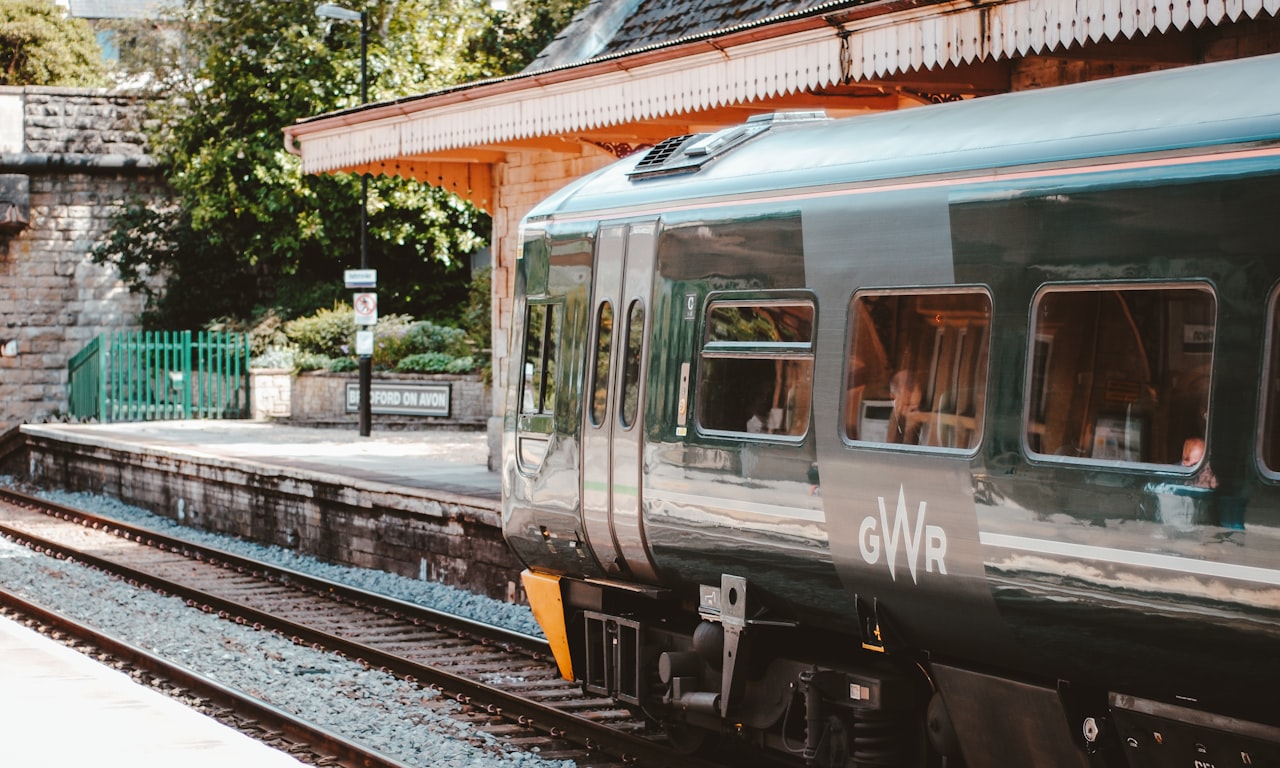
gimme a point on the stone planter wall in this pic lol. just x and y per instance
(318, 398)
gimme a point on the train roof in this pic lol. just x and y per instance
(1223, 103)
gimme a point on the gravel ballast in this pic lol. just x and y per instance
(367, 706)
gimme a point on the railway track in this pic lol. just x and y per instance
(304, 741)
(505, 681)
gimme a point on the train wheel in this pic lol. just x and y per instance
(684, 738)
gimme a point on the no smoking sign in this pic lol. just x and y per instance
(366, 306)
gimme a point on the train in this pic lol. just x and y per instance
(940, 437)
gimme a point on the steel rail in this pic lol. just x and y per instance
(540, 717)
(319, 739)
(489, 632)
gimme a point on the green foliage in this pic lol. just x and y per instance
(310, 361)
(41, 45)
(342, 364)
(515, 36)
(426, 362)
(275, 357)
(326, 340)
(476, 317)
(246, 228)
(461, 365)
(328, 332)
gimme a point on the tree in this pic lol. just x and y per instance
(245, 230)
(515, 36)
(41, 45)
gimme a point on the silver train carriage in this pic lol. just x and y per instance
(945, 436)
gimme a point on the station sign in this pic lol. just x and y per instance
(402, 399)
(360, 278)
(364, 343)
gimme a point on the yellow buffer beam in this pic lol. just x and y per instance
(548, 610)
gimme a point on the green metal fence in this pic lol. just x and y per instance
(147, 376)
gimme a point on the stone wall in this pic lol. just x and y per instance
(417, 533)
(82, 154)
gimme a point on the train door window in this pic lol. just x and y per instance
(539, 365)
(756, 374)
(1120, 373)
(600, 371)
(1269, 439)
(631, 360)
(917, 367)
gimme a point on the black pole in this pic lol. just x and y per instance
(366, 362)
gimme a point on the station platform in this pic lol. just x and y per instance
(415, 503)
(59, 708)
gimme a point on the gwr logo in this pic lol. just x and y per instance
(870, 539)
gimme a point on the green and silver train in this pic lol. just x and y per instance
(948, 436)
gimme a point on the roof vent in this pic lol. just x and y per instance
(662, 152)
(681, 154)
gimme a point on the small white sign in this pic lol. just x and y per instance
(364, 343)
(360, 278)
(366, 306)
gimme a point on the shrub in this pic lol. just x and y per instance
(328, 332)
(274, 357)
(326, 340)
(426, 336)
(461, 365)
(310, 361)
(426, 362)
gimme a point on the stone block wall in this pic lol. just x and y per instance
(84, 154)
(435, 535)
(318, 398)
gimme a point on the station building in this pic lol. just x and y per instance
(626, 74)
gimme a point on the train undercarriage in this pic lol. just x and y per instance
(729, 670)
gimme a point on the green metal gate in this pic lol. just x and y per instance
(153, 375)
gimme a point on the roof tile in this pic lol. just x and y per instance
(606, 27)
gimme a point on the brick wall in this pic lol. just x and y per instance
(83, 154)
(523, 181)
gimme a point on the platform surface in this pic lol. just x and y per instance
(454, 461)
(59, 709)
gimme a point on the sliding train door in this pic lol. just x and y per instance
(613, 418)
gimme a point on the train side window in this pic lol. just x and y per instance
(917, 367)
(600, 371)
(538, 395)
(756, 374)
(1120, 372)
(1269, 438)
(631, 360)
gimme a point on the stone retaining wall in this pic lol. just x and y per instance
(70, 158)
(426, 534)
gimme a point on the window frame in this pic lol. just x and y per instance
(976, 289)
(540, 419)
(601, 363)
(1204, 286)
(634, 341)
(1270, 358)
(754, 350)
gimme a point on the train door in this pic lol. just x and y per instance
(613, 433)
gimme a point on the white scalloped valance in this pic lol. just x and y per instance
(875, 47)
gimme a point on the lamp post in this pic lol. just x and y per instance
(332, 11)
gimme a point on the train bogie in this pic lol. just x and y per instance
(944, 433)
